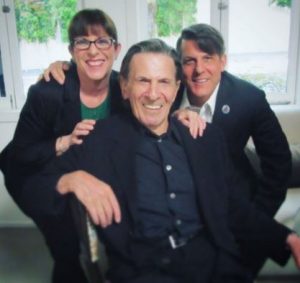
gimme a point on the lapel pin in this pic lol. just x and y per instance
(225, 109)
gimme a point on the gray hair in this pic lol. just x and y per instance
(150, 46)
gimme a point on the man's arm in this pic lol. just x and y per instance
(97, 196)
(57, 69)
(255, 231)
(274, 155)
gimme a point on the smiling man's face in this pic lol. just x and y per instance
(202, 71)
(151, 88)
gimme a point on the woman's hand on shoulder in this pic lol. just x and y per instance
(82, 128)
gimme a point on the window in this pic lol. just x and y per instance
(9, 71)
(257, 36)
(35, 34)
(258, 45)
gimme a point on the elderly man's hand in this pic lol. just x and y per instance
(56, 69)
(97, 196)
(192, 120)
(293, 242)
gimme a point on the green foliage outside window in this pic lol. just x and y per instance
(38, 20)
(172, 15)
(282, 3)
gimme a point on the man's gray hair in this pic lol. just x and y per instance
(150, 46)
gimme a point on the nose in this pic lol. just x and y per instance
(93, 49)
(153, 92)
(199, 68)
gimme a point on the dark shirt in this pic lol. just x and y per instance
(166, 191)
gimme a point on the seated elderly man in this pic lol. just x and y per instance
(166, 205)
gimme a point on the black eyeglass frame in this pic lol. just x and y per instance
(110, 42)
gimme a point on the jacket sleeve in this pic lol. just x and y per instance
(274, 157)
(255, 231)
(34, 139)
(41, 187)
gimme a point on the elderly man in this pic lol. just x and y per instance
(145, 181)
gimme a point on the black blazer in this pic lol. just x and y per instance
(242, 112)
(51, 110)
(108, 153)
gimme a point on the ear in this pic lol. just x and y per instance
(123, 86)
(177, 88)
(71, 50)
(224, 61)
(118, 48)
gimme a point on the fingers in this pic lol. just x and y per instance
(98, 198)
(56, 69)
(192, 120)
(293, 241)
(104, 212)
(45, 75)
(65, 65)
(82, 128)
(201, 126)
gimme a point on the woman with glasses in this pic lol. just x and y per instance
(55, 117)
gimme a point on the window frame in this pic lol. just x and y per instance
(10, 59)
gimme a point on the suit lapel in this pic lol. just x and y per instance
(223, 105)
(70, 113)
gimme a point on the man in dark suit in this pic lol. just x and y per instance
(168, 206)
(241, 110)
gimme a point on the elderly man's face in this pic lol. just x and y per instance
(202, 71)
(151, 88)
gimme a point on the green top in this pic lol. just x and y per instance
(100, 112)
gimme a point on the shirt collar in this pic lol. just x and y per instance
(211, 101)
(172, 131)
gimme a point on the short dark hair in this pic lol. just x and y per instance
(90, 18)
(207, 38)
(150, 46)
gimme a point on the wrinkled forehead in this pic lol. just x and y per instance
(153, 65)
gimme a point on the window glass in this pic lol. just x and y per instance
(256, 34)
(259, 42)
(168, 17)
(42, 34)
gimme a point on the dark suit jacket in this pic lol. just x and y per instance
(109, 153)
(51, 110)
(250, 116)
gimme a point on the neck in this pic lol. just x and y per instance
(195, 100)
(93, 93)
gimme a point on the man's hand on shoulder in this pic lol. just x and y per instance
(97, 196)
(57, 70)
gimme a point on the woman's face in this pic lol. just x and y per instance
(94, 63)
